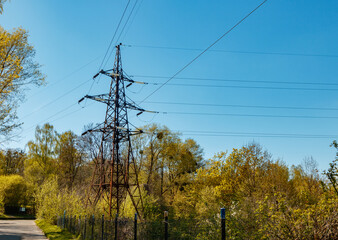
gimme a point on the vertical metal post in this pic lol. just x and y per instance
(93, 222)
(116, 225)
(165, 225)
(102, 227)
(135, 227)
(223, 223)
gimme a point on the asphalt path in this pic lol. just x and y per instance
(20, 230)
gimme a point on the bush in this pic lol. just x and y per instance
(51, 201)
(13, 192)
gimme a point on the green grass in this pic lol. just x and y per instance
(22, 216)
(54, 232)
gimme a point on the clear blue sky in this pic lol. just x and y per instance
(69, 35)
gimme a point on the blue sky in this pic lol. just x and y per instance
(71, 38)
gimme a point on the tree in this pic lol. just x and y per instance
(12, 191)
(332, 172)
(12, 161)
(166, 163)
(17, 71)
(42, 155)
(70, 158)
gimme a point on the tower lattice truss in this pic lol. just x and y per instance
(115, 175)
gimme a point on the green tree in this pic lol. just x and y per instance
(13, 191)
(51, 201)
(70, 158)
(12, 161)
(164, 159)
(42, 155)
(17, 71)
(332, 172)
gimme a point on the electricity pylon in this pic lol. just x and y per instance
(115, 174)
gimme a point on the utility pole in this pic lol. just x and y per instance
(115, 174)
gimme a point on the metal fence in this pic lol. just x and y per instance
(99, 228)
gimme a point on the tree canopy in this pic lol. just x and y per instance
(18, 70)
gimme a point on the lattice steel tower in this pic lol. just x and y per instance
(115, 175)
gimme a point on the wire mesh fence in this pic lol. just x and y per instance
(99, 228)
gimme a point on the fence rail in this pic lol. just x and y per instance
(99, 228)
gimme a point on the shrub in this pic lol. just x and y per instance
(13, 191)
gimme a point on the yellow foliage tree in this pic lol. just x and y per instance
(17, 71)
(13, 191)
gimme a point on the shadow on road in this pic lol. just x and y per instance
(10, 237)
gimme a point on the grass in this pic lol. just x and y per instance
(19, 216)
(54, 232)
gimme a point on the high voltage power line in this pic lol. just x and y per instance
(244, 87)
(124, 26)
(112, 39)
(110, 43)
(245, 106)
(250, 115)
(204, 51)
(206, 134)
(237, 80)
(233, 51)
(57, 98)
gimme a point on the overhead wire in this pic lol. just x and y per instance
(57, 99)
(258, 135)
(112, 39)
(244, 87)
(245, 106)
(111, 52)
(65, 77)
(132, 20)
(233, 51)
(205, 50)
(250, 115)
(239, 80)
(110, 44)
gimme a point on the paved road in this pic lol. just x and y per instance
(20, 230)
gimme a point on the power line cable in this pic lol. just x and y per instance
(112, 40)
(124, 26)
(65, 77)
(232, 51)
(251, 115)
(110, 44)
(258, 133)
(245, 106)
(258, 136)
(132, 20)
(111, 52)
(239, 80)
(246, 87)
(210, 46)
(54, 120)
(45, 120)
(57, 99)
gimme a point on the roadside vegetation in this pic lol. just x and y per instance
(53, 232)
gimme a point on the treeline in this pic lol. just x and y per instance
(264, 198)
